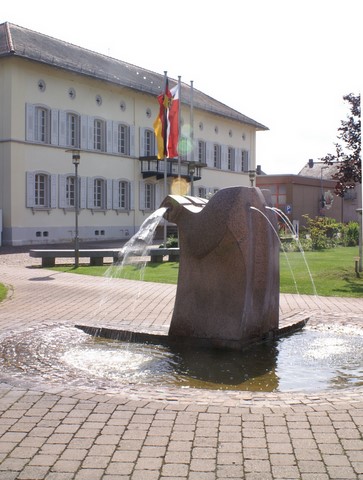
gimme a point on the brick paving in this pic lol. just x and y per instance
(50, 431)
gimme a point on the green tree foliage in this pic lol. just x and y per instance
(348, 155)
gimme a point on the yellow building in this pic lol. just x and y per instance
(56, 97)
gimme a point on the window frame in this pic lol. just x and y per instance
(41, 124)
(73, 129)
(99, 135)
(41, 190)
(231, 159)
(123, 139)
(202, 151)
(217, 156)
(99, 193)
(149, 142)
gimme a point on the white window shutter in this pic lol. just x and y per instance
(84, 132)
(30, 189)
(159, 195)
(156, 149)
(238, 159)
(90, 193)
(141, 195)
(115, 137)
(210, 154)
(83, 195)
(115, 194)
(53, 191)
(62, 128)
(131, 196)
(224, 157)
(62, 201)
(30, 122)
(54, 126)
(132, 141)
(109, 131)
(245, 160)
(109, 194)
(90, 133)
(142, 142)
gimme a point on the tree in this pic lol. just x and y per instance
(348, 157)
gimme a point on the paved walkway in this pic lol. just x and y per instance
(50, 431)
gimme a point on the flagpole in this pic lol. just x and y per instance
(191, 129)
(179, 131)
(165, 164)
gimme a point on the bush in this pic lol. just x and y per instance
(350, 234)
(171, 242)
(325, 232)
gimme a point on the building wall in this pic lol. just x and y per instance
(18, 155)
(304, 194)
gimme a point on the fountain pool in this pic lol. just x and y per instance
(313, 359)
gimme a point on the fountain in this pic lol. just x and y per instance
(228, 285)
(227, 297)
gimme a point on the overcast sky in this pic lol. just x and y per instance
(285, 63)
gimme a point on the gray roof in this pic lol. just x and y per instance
(24, 43)
(319, 170)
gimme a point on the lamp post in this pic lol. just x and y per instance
(360, 223)
(322, 201)
(76, 157)
(191, 169)
(252, 175)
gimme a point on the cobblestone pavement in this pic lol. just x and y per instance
(51, 431)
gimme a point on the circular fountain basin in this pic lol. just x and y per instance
(313, 359)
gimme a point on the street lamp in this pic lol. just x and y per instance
(252, 175)
(76, 157)
(191, 170)
(322, 201)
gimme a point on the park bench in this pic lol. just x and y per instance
(157, 254)
(96, 256)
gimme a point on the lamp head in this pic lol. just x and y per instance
(76, 157)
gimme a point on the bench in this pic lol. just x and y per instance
(96, 256)
(157, 254)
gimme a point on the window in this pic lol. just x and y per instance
(202, 192)
(278, 195)
(149, 143)
(231, 159)
(216, 156)
(149, 196)
(123, 197)
(123, 139)
(99, 135)
(41, 190)
(245, 163)
(73, 130)
(71, 192)
(99, 193)
(41, 125)
(201, 151)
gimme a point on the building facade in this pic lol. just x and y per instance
(56, 98)
(311, 193)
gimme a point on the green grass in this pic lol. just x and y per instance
(332, 271)
(3, 292)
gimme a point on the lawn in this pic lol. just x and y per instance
(332, 271)
(327, 273)
(3, 292)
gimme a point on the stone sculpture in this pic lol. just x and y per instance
(228, 285)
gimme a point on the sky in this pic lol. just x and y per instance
(284, 63)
